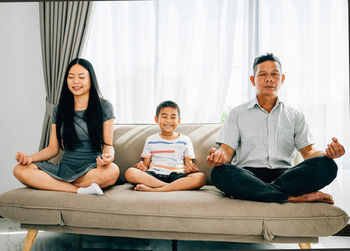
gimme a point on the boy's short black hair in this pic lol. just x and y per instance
(167, 103)
(263, 58)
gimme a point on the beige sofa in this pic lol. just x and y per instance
(203, 214)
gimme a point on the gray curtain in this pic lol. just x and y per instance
(63, 29)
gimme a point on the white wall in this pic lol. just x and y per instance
(22, 91)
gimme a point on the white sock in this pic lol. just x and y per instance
(92, 189)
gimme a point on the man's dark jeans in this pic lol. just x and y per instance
(274, 185)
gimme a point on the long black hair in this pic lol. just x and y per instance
(92, 116)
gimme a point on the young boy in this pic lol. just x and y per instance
(167, 157)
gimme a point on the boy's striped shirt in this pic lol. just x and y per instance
(167, 155)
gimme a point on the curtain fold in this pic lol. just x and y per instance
(64, 30)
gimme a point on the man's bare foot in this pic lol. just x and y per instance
(142, 187)
(312, 197)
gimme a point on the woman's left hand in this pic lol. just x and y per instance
(105, 160)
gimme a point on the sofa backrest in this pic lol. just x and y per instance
(129, 139)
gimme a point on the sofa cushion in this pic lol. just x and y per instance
(203, 211)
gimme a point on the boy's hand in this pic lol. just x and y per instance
(190, 167)
(141, 166)
(24, 159)
(105, 160)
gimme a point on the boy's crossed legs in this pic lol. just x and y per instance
(147, 182)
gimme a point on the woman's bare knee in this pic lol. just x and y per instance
(17, 171)
(21, 171)
(104, 176)
(110, 175)
(114, 173)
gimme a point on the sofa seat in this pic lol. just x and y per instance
(197, 215)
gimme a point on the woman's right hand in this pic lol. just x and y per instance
(24, 159)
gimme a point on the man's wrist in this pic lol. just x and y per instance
(316, 153)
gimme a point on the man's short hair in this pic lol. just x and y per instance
(263, 58)
(167, 103)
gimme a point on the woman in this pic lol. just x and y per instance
(82, 125)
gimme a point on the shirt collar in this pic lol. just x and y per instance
(254, 102)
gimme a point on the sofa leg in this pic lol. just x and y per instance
(174, 245)
(305, 245)
(29, 239)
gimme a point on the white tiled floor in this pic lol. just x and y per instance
(12, 239)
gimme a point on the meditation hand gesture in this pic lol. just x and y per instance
(334, 149)
(105, 160)
(216, 157)
(24, 159)
(190, 167)
(140, 165)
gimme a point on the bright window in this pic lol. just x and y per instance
(199, 53)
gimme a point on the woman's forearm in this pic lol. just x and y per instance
(45, 154)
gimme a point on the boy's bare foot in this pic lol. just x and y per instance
(312, 197)
(142, 187)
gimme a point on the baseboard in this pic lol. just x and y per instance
(344, 232)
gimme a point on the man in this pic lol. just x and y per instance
(260, 137)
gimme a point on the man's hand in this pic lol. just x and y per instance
(334, 149)
(190, 167)
(141, 166)
(23, 158)
(105, 160)
(216, 157)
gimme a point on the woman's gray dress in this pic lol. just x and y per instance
(79, 161)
